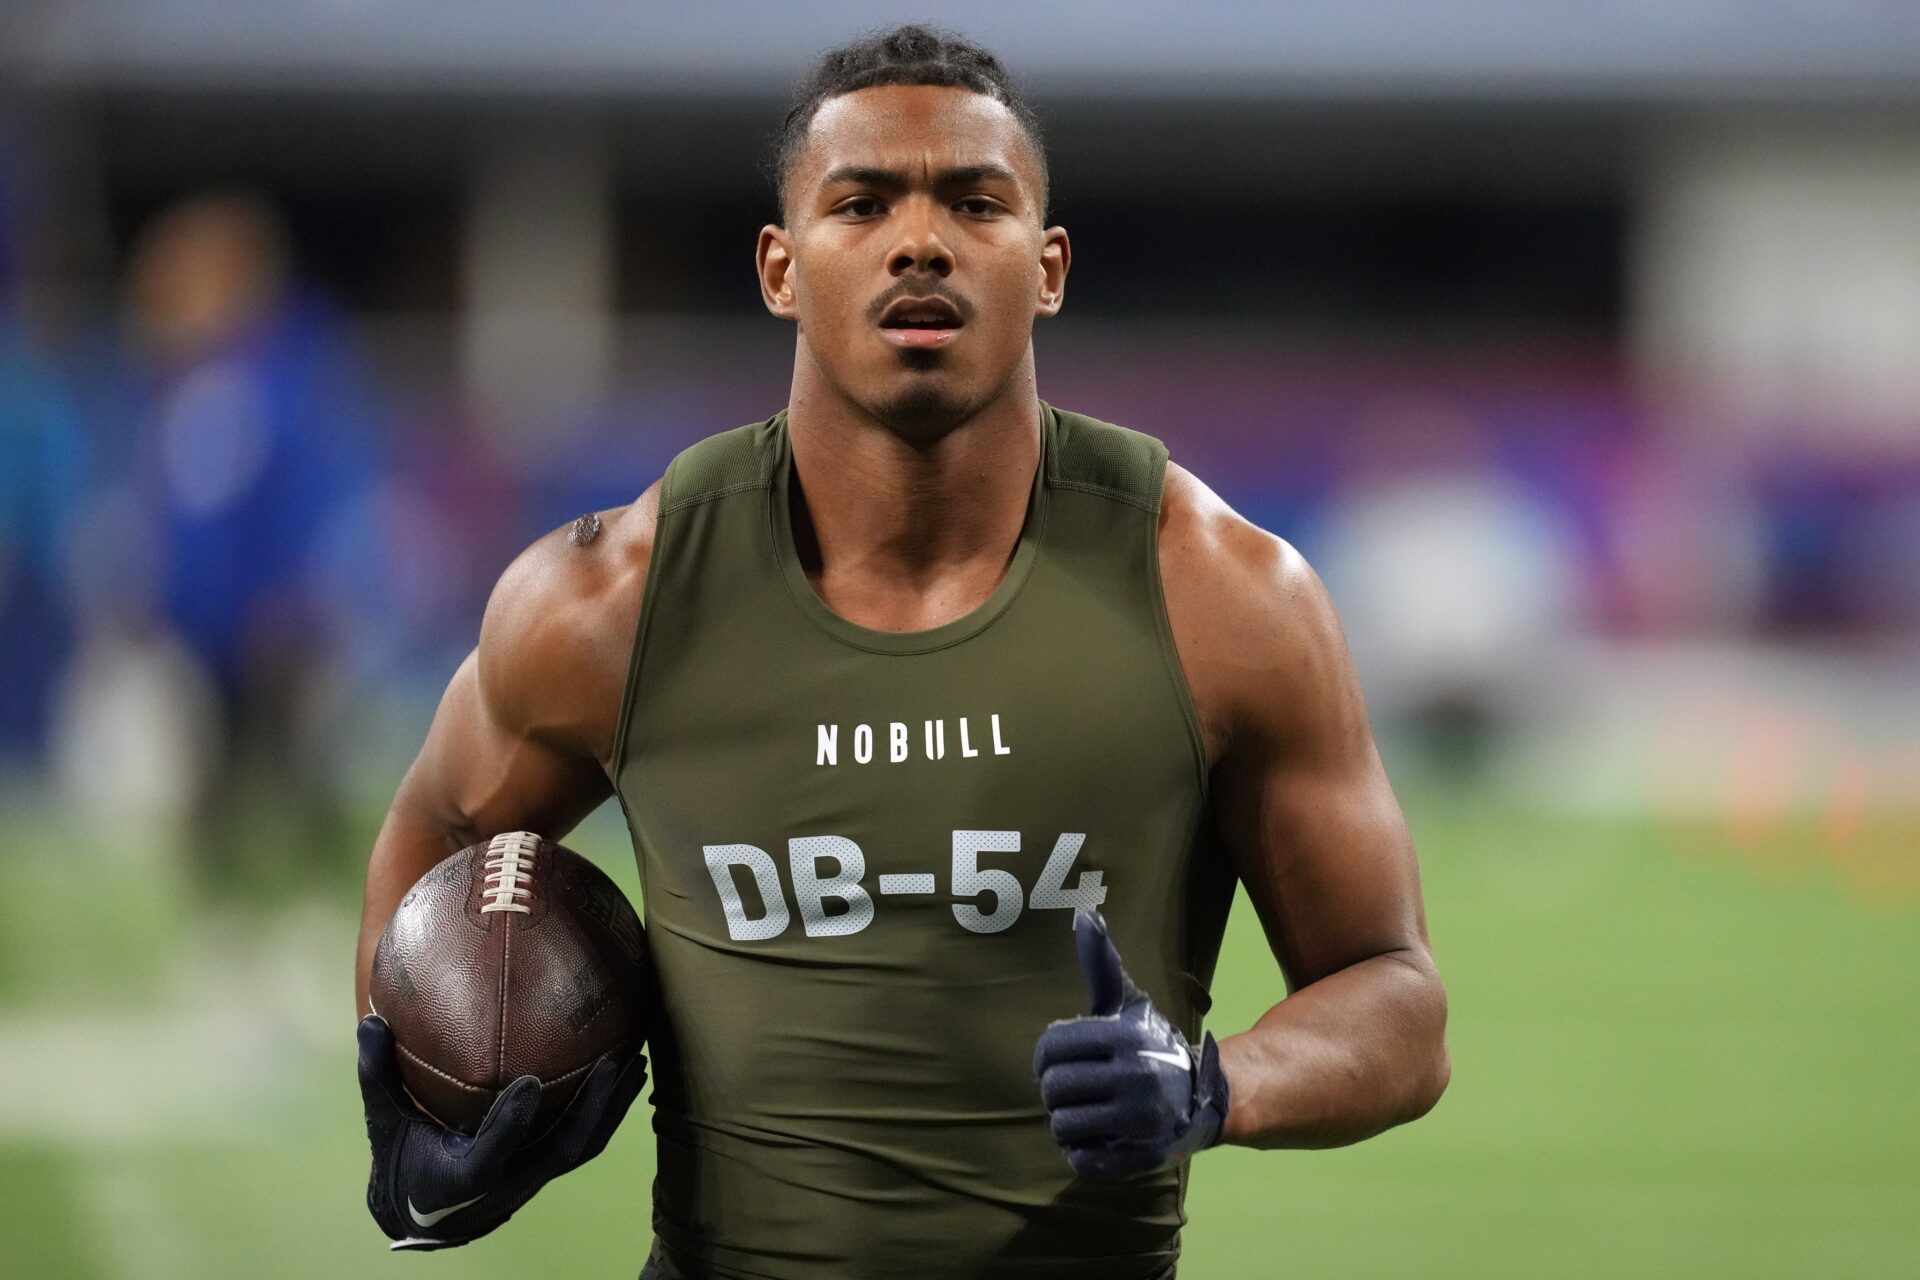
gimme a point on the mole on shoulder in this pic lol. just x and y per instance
(584, 530)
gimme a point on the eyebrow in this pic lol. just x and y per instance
(894, 180)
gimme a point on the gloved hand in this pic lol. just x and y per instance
(432, 1188)
(1127, 1093)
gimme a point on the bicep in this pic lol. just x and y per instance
(523, 735)
(478, 775)
(1303, 799)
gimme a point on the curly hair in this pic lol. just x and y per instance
(910, 54)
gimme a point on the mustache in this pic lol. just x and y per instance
(919, 287)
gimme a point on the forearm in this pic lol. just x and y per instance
(1342, 1059)
(410, 842)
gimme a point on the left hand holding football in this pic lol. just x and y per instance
(1128, 1095)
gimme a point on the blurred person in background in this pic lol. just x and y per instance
(43, 480)
(253, 432)
(1463, 575)
(90, 677)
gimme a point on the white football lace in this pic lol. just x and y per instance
(509, 863)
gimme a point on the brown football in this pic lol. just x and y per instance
(510, 958)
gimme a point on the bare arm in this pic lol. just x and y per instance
(524, 733)
(1316, 835)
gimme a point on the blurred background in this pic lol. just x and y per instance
(1578, 347)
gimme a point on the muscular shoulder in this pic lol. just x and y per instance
(559, 625)
(1255, 630)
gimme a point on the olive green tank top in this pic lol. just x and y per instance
(859, 852)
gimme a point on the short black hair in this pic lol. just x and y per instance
(912, 54)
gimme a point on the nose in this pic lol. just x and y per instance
(918, 246)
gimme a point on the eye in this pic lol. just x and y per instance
(982, 205)
(858, 206)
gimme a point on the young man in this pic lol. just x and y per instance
(910, 694)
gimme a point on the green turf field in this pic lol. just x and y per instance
(1673, 1055)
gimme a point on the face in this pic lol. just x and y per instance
(913, 259)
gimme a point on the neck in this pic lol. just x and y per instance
(905, 535)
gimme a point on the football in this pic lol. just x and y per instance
(510, 958)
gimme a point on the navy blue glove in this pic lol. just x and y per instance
(1127, 1093)
(432, 1188)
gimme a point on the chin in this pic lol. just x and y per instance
(924, 410)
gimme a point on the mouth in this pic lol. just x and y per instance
(920, 322)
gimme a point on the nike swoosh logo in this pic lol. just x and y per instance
(1177, 1058)
(428, 1219)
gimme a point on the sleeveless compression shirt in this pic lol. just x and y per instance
(859, 853)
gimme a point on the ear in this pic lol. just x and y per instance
(1056, 255)
(773, 259)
